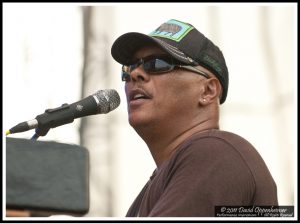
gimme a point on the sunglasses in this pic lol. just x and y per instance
(157, 64)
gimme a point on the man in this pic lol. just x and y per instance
(175, 80)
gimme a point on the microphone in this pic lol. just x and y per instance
(102, 102)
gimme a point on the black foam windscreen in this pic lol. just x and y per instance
(47, 176)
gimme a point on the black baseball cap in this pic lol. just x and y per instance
(183, 42)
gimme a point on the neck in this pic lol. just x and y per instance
(163, 139)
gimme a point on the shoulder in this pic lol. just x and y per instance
(212, 149)
(215, 144)
(217, 137)
(216, 156)
(220, 156)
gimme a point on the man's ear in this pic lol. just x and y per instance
(211, 91)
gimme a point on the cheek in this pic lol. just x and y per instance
(175, 95)
(173, 102)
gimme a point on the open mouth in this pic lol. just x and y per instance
(138, 94)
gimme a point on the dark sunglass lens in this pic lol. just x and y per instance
(125, 73)
(149, 65)
(125, 76)
(157, 66)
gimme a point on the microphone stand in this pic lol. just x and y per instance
(35, 136)
(40, 132)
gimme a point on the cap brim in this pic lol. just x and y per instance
(125, 47)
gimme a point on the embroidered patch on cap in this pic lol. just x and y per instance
(173, 29)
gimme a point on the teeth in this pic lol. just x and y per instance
(138, 96)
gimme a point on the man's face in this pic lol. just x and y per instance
(159, 99)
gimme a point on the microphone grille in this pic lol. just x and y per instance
(109, 100)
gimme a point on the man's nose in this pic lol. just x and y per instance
(139, 74)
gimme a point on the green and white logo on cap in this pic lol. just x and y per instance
(173, 29)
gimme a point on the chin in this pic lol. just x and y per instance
(134, 122)
(138, 120)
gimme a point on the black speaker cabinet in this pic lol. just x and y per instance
(47, 177)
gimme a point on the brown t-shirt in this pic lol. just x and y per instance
(211, 168)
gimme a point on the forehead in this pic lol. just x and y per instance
(147, 50)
